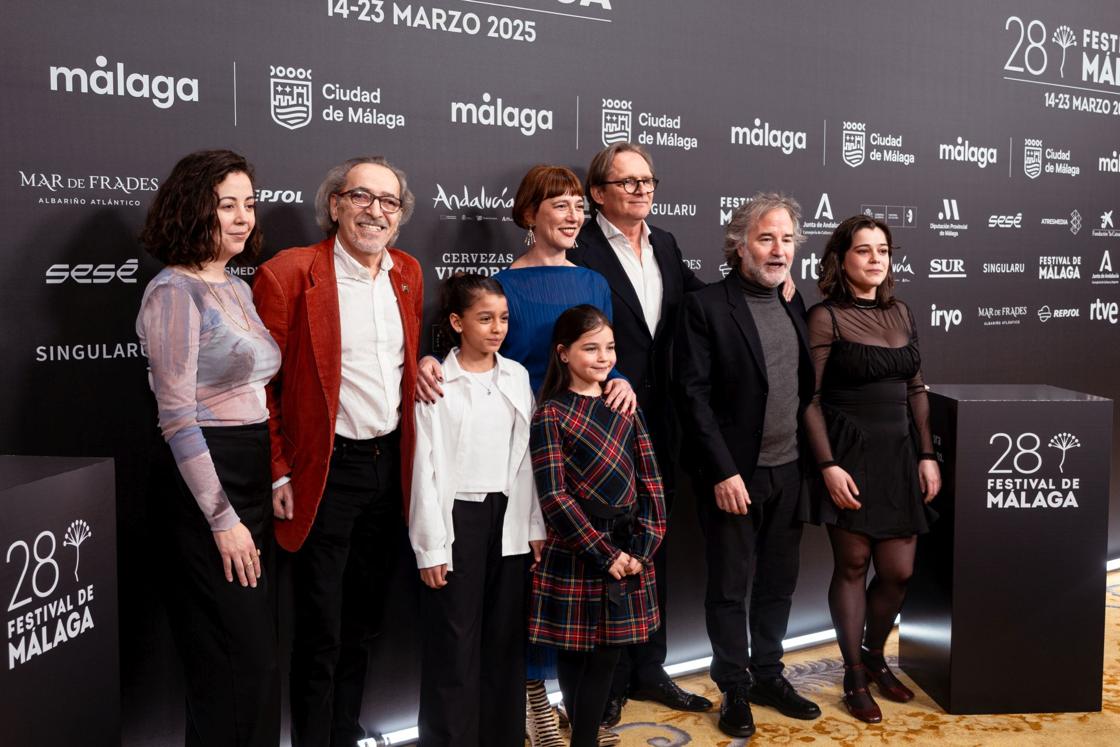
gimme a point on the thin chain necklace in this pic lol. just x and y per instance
(221, 305)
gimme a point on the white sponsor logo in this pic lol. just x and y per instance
(1032, 158)
(1000, 316)
(673, 209)
(1104, 311)
(290, 96)
(1051, 160)
(947, 268)
(895, 216)
(483, 263)
(1104, 274)
(459, 201)
(762, 135)
(949, 211)
(1004, 268)
(63, 188)
(617, 121)
(1005, 221)
(1062, 267)
(85, 273)
(809, 266)
(727, 206)
(824, 207)
(494, 112)
(1017, 479)
(944, 318)
(901, 268)
(281, 196)
(58, 616)
(948, 219)
(885, 147)
(1107, 229)
(1045, 313)
(853, 143)
(89, 352)
(823, 224)
(162, 90)
(965, 152)
(1109, 164)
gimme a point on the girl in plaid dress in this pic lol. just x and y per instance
(594, 590)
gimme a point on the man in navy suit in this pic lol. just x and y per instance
(648, 280)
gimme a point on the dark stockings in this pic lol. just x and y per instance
(854, 604)
(585, 681)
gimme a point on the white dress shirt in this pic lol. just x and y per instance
(441, 462)
(644, 273)
(487, 439)
(369, 398)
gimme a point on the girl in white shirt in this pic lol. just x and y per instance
(473, 519)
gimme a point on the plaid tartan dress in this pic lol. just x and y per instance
(583, 453)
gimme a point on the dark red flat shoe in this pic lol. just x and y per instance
(862, 706)
(889, 686)
(857, 698)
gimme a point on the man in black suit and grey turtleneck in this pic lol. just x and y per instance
(743, 375)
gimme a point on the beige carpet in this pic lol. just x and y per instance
(817, 673)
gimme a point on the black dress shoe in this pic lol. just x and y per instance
(778, 693)
(612, 714)
(735, 717)
(667, 693)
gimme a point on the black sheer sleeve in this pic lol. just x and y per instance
(916, 393)
(821, 334)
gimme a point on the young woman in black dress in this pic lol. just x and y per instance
(869, 408)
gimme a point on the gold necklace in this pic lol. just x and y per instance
(221, 305)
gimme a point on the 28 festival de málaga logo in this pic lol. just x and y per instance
(41, 614)
(1072, 60)
(1033, 471)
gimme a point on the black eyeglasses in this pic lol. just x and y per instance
(361, 198)
(631, 185)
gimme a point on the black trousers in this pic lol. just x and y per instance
(472, 683)
(642, 665)
(756, 555)
(340, 577)
(225, 633)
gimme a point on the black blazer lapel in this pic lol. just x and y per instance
(663, 254)
(598, 255)
(745, 322)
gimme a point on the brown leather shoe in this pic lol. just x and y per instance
(857, 698)
(889, 686)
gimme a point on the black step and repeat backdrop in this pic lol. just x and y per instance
(986, 134)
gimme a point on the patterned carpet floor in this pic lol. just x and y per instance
(817, 673)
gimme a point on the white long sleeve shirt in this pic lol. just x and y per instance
(442, 459)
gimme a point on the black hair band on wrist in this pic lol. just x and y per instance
(829, 463)
(927, 455)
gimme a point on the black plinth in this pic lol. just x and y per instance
(60, 679)
(1005, 612)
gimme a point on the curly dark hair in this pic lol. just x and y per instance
(183, 218)
(833, 285)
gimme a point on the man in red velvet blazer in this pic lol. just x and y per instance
(346, 313)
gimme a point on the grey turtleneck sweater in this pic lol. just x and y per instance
(780, 352)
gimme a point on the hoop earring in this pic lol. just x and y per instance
(530, 238)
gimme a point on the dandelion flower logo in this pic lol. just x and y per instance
(1064, 38)
(78, 533)
(1065, 442)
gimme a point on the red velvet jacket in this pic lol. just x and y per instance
(297, 298)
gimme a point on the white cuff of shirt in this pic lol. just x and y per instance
(282, 481)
